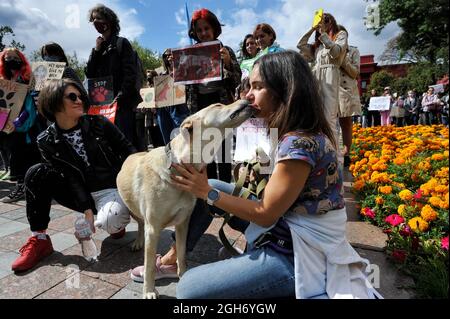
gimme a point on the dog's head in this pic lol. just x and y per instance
(205, 130)
(220, 116)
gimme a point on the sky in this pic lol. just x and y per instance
(158, 25)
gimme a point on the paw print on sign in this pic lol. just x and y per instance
(99, 94)
(4, 100)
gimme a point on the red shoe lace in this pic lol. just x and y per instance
(29, 245)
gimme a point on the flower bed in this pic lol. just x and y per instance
(401, 182)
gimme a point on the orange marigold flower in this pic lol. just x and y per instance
(399, 161)
(379, 200)
(358, 185)
(385, 189)
(437, 157)
(435, 201)
(417, 224)
(428, 213)
(441, 189)
(406, 195)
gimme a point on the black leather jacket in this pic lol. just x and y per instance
(106, 148)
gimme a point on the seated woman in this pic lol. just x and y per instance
(82, 156)
(296, 235)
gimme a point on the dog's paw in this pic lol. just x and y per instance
(137, 245)
(150, 295)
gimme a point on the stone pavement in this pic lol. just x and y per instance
(66, 274)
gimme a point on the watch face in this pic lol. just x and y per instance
(213, 195)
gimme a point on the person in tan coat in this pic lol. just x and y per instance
(349, 99)
(327, 54)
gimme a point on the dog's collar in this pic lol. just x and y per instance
(169, 154)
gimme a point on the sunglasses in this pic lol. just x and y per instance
(73, 97)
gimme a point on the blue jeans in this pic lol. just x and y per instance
(258, 273)
(170, 118)
(201, 219)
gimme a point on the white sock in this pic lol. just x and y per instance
(40, 235)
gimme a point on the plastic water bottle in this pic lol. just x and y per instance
(84, 234)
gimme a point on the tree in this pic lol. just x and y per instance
(77, 65)
(424, 25)
(392, 53)
(6, 30)
(421, 75)
(149, 58)
(379, 81)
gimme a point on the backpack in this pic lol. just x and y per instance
(139, 79)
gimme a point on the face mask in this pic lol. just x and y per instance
(13, 64)
(101, 27)
(52, 58)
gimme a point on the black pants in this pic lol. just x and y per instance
(374, 118)
(42, 184)
(23, 155)
(126, 122)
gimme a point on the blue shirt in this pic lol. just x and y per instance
(323, 188)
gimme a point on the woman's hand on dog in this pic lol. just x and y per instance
(191, 180)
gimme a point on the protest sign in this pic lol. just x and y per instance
(251, 135)
(317, 17)
(101, 90)
(101, 94)
(44, 71)
(438, 88)
(167, 93)
(380, 103)
(200, 63)
(108, 111)
(12, 96)
(148, 98)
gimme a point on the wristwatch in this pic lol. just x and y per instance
(213, 196)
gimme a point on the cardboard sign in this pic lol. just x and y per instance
(148, 98)
(167, 93)
(438, 88)
(12, 96)
(101, 91)
(108, 111)
(380, 103)
(249, 136)
(44, 71)
(318, 15)
(101, 94)
(200, 63)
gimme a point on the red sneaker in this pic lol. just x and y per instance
(32, 252)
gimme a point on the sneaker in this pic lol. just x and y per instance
(162, 271)
(223, 253)
(18, 193)
(118, 235)
(32, 252)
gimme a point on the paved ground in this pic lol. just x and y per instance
(65, 274)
